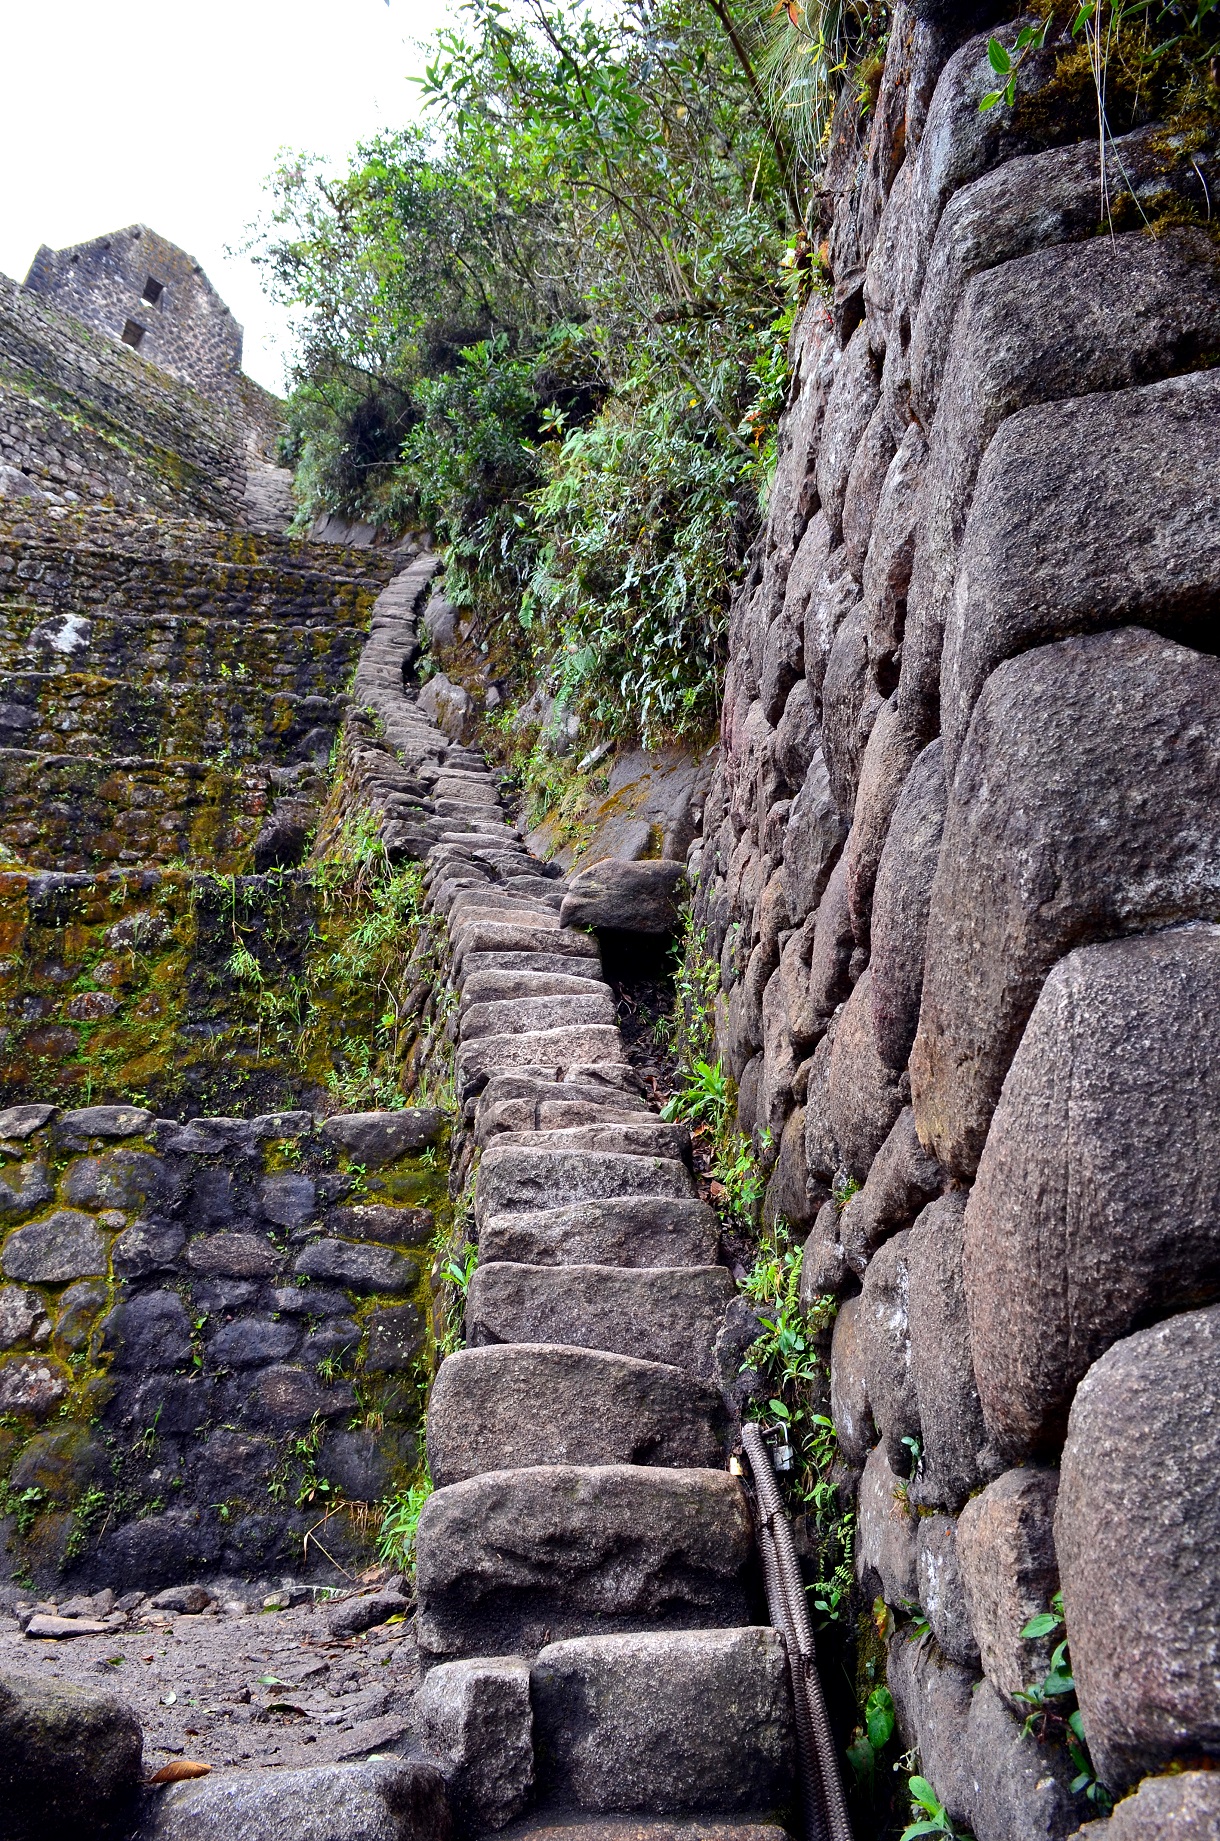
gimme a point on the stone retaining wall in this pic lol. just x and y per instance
(960, 863)
(210, 1333)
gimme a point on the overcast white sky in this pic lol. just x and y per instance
(171, 113)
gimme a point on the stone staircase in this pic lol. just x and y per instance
(586, 1565)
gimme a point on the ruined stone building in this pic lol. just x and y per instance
(135, 286)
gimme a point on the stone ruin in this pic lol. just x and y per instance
(135, 286)
(958, 868)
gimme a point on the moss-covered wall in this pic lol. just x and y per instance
(212, 1336)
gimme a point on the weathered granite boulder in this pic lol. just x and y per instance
(475, 1719)
(65, 1245)
(1140, 462)
(379, 1799)
(942, 1593)
(956, 1455)
(669, 1723)
(932, 1698)
(901, 899)
(1137, 1531)
(1183, 1807)
(1006, 1552)
(1103, 1158)
(1086, 804)
(886, 1534)
(901, 1179)
(625, 896)
(69, 1758)
(885, 1331)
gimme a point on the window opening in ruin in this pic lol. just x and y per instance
(133, 334)
(153, 290)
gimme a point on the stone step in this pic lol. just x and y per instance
(490, 935)
(508, 1016)
(86, 813)
(496, 987)
(636, 1137)
(665, 1723)
(528, 1115)
(538, 885)
(466, 891)
(511, 1180)
(559, 960)
(521, 1403)
(660, 1314)
(558, 1049)
(633, 1231)
(513, 1559)
(574, 1827)
(476, 903)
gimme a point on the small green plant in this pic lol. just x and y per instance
(705, 1097)
(1007, 64)
(400, 1523)
(1050, 1716)
(931, 1816)
(145, 1442)
(460, 1272)
(870, 1739)
(84, 1516)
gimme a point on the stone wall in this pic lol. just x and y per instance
(134, 286)
(960, 862)
(201, 1321)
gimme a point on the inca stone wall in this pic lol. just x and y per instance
(960, 867)
(212, 1333)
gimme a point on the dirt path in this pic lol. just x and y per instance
(260, 1688)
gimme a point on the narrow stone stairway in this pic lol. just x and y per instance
(587, 1560)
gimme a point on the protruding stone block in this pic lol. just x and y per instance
(665, 1724)
(1006, 1551)
(1137, 1531)
(474, 1718)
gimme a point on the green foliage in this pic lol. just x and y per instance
(400, 1524)
(1007, 64)
(931, 1816)
(1051, 1715)
(871, 1737)
(553, 327)
(785, 1355)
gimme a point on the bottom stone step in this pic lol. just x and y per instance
(665, 1724)
(641, 1828)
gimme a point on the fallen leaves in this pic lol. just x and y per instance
(179, 1771)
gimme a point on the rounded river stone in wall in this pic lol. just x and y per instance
(66, 1245)
(31, 1384)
